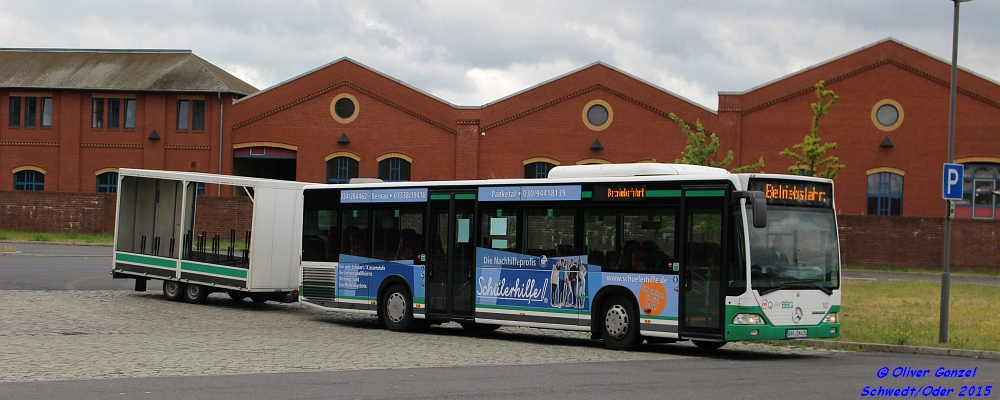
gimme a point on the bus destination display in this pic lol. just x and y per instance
(619, 193)
(785, 193)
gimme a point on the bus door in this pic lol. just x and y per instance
(703, 254)
(451, 254)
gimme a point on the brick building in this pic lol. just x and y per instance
(345, 120)
(71, 118)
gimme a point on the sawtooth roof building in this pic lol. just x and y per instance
(71, 118)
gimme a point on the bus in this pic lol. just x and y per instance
(627, 252)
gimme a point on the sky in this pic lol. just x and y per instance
(470, 53)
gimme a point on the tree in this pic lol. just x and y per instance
(809, 162)
(700, 151)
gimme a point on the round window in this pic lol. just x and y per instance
(887, 115)
(344, 108)
(597, 115)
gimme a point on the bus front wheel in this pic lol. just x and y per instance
(619, 324)
(396, 309)
(173, 291)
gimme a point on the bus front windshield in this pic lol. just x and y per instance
(797, 250)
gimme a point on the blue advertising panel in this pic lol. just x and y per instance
(410, 195)
(530, 193)
(407, 195)
(358, 278)
(511, 281)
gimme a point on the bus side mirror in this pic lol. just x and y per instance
(759, 203)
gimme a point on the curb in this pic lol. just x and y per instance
(891, 348)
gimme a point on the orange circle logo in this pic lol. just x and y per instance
(652, 298)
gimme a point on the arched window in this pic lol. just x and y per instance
(885, 194)
(29, 180)
(107, 182)
(394, 169)
(537, 170)
(341, 169)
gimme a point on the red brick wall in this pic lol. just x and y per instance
(217, 215)
(57, 211)
(918, 242)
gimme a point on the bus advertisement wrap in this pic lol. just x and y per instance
(515, 280)
(360, 277)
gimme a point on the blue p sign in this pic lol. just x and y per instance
(953, 175)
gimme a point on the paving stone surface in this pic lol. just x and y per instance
(59, 335)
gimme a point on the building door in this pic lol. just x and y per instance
(451, 254)
(703, 226)
(983, 203)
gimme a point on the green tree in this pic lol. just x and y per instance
(811, 159)
(701, 149)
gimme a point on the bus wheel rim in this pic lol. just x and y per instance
(616, 321)
(396, 307)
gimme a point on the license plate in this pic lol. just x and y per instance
(796, 333)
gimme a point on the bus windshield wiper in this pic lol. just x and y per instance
(797, 284)
(800, 283)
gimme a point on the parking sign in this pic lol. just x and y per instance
(952, 181)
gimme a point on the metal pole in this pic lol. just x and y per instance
(946, 274)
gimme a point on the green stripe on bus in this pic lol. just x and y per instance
(663, 193)
(586, 194)
(706, 193)
(365, 298)
(214, 269)
(556, 311)
(151, 261)
(465, 196)
(419, 300)
(440, 197)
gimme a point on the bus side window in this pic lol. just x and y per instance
(356, 233)
(499, 229)
(550, 232)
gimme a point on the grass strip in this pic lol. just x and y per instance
(908, 313)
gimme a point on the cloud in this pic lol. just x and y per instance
(472, 53)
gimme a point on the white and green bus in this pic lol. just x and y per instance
(628, 252)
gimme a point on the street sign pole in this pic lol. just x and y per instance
(946, 274)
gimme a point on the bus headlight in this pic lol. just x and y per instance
(748, 319)
(831, 318)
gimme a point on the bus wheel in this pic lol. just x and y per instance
(237, 295)
(195, 294)
(395, 309)
(619, 324)
(706, 345)
(173, 291)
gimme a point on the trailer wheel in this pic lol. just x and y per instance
(619, 324)
(173, 290)
(396, 309)
(237, 295)
(195, 294)
(258, 298)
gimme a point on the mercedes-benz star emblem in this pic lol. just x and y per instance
(797, 315)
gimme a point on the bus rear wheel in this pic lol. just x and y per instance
(195, 294)
(173, 291)
(397, 309)
(619, 324)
